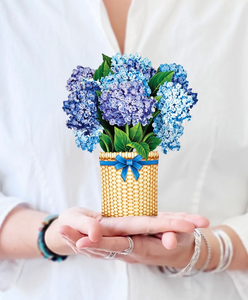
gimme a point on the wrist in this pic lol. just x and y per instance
(55, 242)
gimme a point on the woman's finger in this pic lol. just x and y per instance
(144, 225)
(84, 221)
(198, 220)
(114, 244)
(169, 240)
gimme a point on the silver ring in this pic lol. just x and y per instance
(130, 248)
(111, 255)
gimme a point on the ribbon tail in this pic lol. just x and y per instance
(137, 165)
(124, 173)
(135, 173)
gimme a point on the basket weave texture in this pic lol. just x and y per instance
(129, 198)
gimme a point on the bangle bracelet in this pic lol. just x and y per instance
(226, 251)
(207, 260)
(208, 254)
(42, 247)
(185, 271)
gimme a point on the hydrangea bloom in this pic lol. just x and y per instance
(81, 106)
(126, 102)
(77, 76)
(129, 68)
(175, 105)
(168, 132)
(87, 142)
(179, 75)
(132, 64)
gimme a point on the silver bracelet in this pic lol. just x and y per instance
(207, 260)
(226, 251)
(193, 261)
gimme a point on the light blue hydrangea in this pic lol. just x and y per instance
(168, 132)
(179, 75)
(175, 104)
(88, 142)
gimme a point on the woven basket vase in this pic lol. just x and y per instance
(131, 197)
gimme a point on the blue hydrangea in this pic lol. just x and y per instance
(129, 68)
(175, 104)
(168, 132)
(179, 75)
(77, 76)
(125, 103)
(133, 64)
(87, 142)
(81, 107)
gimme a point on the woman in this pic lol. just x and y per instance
(42, 169)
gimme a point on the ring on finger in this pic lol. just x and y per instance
(130, 248)
(111, 255)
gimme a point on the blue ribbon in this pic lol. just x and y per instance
(135, 164)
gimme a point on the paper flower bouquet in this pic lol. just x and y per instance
(130, 109)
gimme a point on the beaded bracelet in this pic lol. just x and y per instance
(43, 249)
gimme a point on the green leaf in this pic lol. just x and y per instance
(98, 93)
(107, 142)
(103, 146)
(102, 71)
(141, 148)
(107, 59)
(121, 141)
(147, 136)
(153, 142)
(136, 133)
(148, 126)
(107, 127)
(159, 79)
(158, 98)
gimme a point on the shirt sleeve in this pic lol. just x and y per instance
(9, 268)
(240, 278)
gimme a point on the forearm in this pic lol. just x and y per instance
(240, 256)
(19, 234)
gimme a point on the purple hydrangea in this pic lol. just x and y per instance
(77, 76)
(87, 142)
(125, 103)
(174, 105)
(81, 107)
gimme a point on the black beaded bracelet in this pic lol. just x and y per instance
(43, 249)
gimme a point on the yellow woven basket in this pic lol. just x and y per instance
(131, 197)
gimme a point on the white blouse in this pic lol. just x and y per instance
(40, 165)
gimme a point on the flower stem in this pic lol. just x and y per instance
(127, 130)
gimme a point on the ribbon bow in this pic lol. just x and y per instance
(124, 164)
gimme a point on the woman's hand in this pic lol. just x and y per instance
(78, 222)
(148, 250)
(164, 222)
